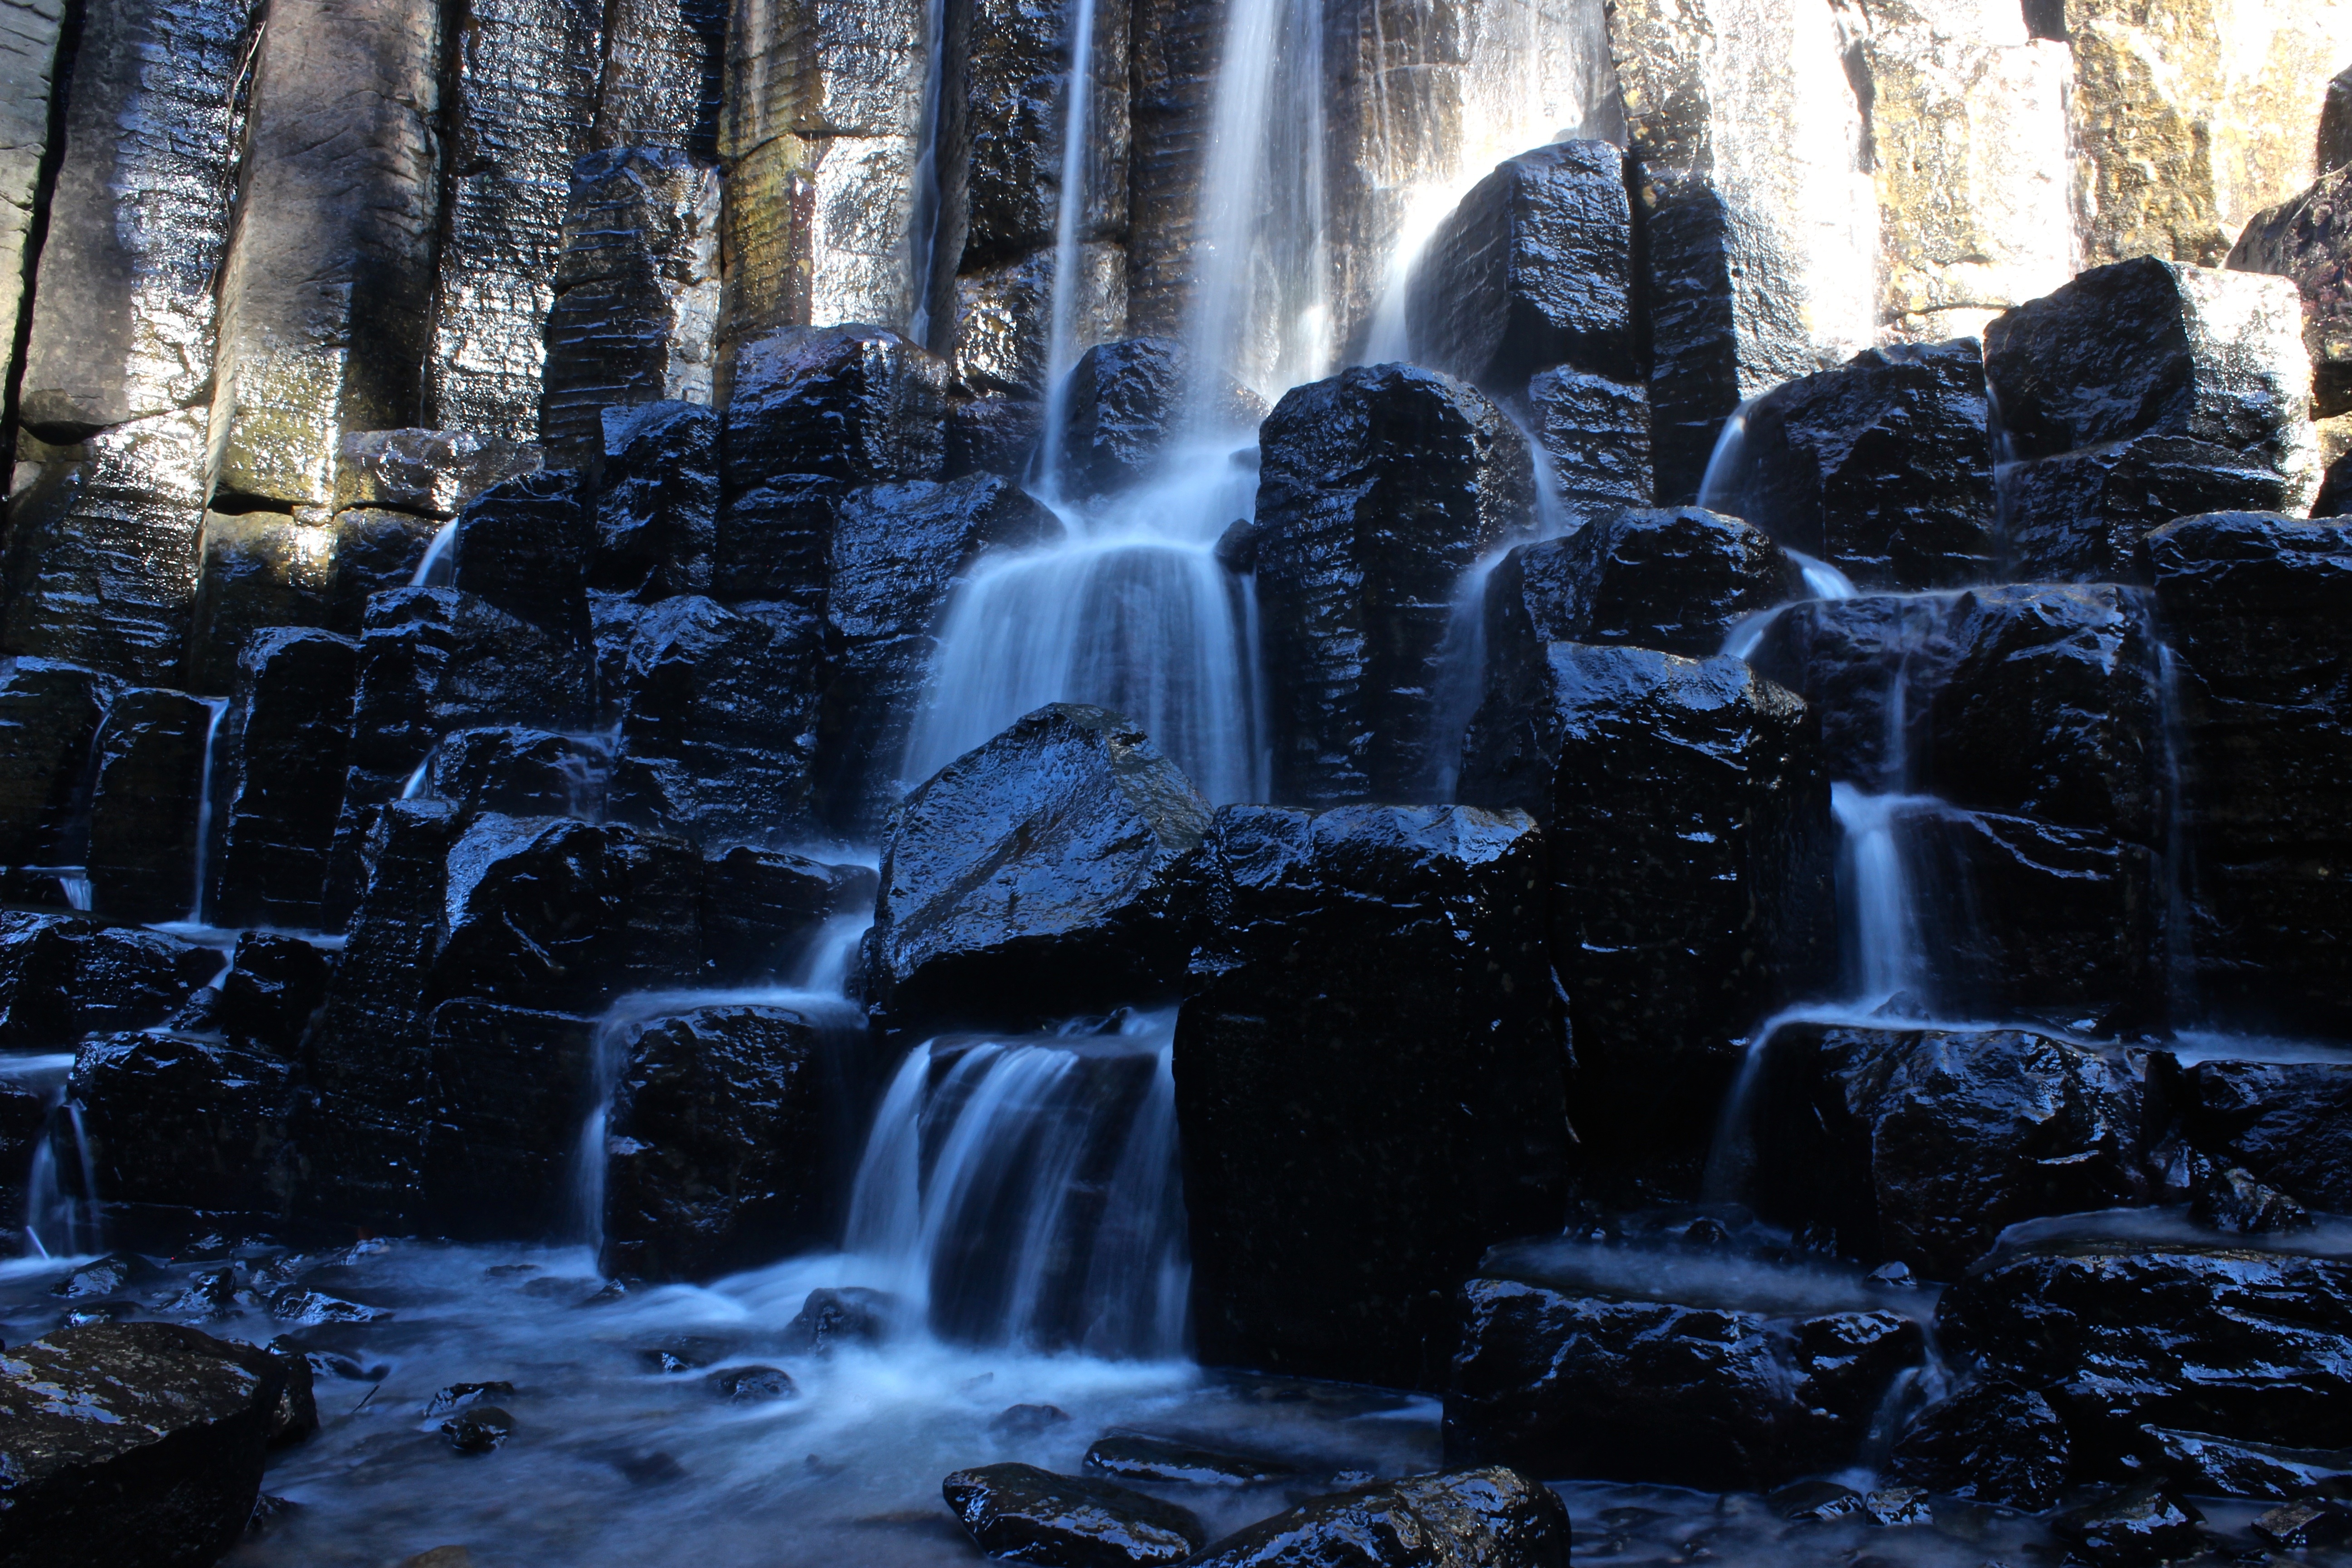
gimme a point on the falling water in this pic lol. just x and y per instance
(1069, 213)
(219, 705)
(434, 571)
(1024, 1193)
(923, 228)
(1884, 955)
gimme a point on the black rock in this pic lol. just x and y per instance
(522, 547)
(1369, 1080)
(1706, 1396)
(426, 473)
(38, 957)
(2242, 1345)
(2139, 392)
(1166, 1461)
(759, 909)
(1596, 432)
(137, 1443)
(657, 502)
(2226, 1198)
(478, 1429)
(1127, 405)
(682, 1352)
(506, 1095)
(24, 1126)
(1882, 467)
(1035, 1516)
(993, 436)
(1534, 268)
(49, 716)
(717, 713)
(1853, 661)
(1034, 878)
(376, 550)
(273, 987)
(457, 1396)
(1675, 580)
(1814, 1501)
(125, 978)
(144, 804)
(1494, 1515)
(2206, 1466)
(2309, 1522)
(519, 772)
(831, 1317)
(716, 1139)
(853, 402)
(1990, 1441)
(1378, 489)
(2287, 1123)
(772, 541)
(279, 767)
(2141, 1526)
(170, 1121)
(750, 1385)
(898, 551)
(1923, 1145)
(2309, 239)
(2250, 608)
(1687, 820)
(1020, 1421)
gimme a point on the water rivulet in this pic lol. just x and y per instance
(1227, 781)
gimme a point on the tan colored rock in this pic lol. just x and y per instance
(1003, 324)
(28, 51)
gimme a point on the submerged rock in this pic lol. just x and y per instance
(2142, 1526)
(2207, 1466)
(1494, 1516)
(1033, 878)
(1166, 1461)
(137, 1444)
(830, 1317)
(1369, 1080)
(1035, 1516)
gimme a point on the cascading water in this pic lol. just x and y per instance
(219, 705)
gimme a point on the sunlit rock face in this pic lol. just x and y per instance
(29, 49)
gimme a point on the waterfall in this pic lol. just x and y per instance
(1024, 1192)
(59, 1222)
(1069, 212)
(436, 570)
(219, 705)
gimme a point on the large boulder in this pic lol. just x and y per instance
(1534, 268)
(2309, 239)
(137, 1443)
(1990, 1441)
(1127, 406)
(278, 773)
(508, 1092)
(2238, 1345)
(1596, 433)
(2142, 392)
(1034, 878)
(1867, 666)
(519, 772)
(524, 546)
(1493, 1515)
(170, 1121)
(274, 985)
(145, 801)
(657, 501)
(1378, 489)
(772, 541)
(1674, 580)
(1029, 1515)
(2252, 607)
(2287, 1122)
(718, 709)
(1686, 818)
(1370, 1079)
(898, 552)
(1920, 1146)
(1590, 1368)
(715, 1143)
(853, 403)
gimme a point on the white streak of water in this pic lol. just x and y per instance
(436, 570)
(219, 705)
(1069, 210)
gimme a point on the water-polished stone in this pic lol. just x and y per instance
(2283, 1121)
(1035, 1516)
(433, 473)
(1495, 1515)
(1369, 1080)
(1991, 1441)
(853, 403)
(1126, 409)
(656, 500)
(1673, 580)
(1015, 117)
(1596, 432)
(506, 1094)
(284, 750)
(144, 803)
(49, 715)
(181, 1122)
(261, 570)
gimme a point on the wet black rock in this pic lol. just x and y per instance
(1534, 268)
(1369, 1080)
(1377, 489)
(831, 1317)
(750, 1385)
(1127, 404)
(144, 804)
(1494, 1515)
(167, 1119)
(2309, 239)
(2238, 1345)
(1882, 467)
(1168, 1461)
(1675, 580)
(657, 501)
(682, 1352)
(519, 772)
(1921, 1146)
(716, 1147)
(761, 908)
(430, 473)
(1034, 878)
(1596, 432)
(1990, 1441)
(717, 723)
(457, 1396)
(2139, 392)
(2141, 1526)
(523, 547)
(49, 715)
(279, 768)
(505, 1098)
(853, 402)
(478, 1430)
(2251, 605)
(137, 1443)
(772, 541)
(2205, 1466)
(2288, 1123)
(2308, 1522)
(898, 554)
(24, 1125)
(1035, 1516)
(1706, 1396)
(38, 955)
(1686, 818)
(1020, 1421)
(62, 977)
(993, 436)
